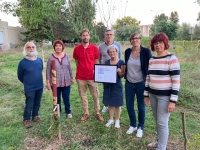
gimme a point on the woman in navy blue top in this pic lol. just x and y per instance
(113, 92)
(137, 61)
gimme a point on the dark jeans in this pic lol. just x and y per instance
(65, 91)
(32, 103)
(132, 89)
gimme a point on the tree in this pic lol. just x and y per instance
(125, 26)
(100, 30)
(123, 33)
(50, 19)
(82, 15)
(174, 17)
(126, 21)
(163, 24)
(183, 32)
(35, 16)
(196, 35)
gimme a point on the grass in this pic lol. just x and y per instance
(91, 134)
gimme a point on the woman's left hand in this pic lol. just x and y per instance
(171, 107)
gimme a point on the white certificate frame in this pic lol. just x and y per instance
(105, 73)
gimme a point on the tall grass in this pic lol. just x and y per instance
(91, 134)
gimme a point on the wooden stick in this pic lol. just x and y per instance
(184, 130)
(59, 130)
(54, 88)
(56, 107)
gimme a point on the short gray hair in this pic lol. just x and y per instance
(112, 47)
(109, 29)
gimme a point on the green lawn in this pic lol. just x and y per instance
(91, 134)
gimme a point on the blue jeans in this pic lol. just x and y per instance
(32, 103)
(65, 91)
(132, 89)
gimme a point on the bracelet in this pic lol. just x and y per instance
(172, 101)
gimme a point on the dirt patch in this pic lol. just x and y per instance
(175, 145)
(37, 143)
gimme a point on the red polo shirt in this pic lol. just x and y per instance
(86, 59)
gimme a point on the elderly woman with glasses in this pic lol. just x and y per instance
(113, 92)
(137, 61)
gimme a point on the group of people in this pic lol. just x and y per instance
(152, 79)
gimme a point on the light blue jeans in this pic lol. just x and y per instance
(159, 106)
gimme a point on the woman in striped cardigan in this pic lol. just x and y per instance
(161, 87)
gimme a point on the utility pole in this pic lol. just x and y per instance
(191, 31)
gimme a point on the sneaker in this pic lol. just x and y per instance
(69, 116)
(27, 124)
(131, 130)
(37, 119)
(105, 108)
(99, 117)
(110, 122)
(139, 133)
(117, 124)
(85, 117)
(152, 145)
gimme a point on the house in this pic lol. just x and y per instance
(145, 30)
(10, 36)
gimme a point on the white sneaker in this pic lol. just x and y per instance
(69, 116)
(105, 108)
(131, 130)
(117, 124)
(139, 133)
(110, 122)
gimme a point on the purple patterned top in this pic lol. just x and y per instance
(63, 71)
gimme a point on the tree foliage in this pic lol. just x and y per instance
(125, 26)
(183, 32)
(123, 33)
(126, 21)
(163, 24)
(50, 19)
(196, 35)
(81, 15)
(100, 30)
(174, 17)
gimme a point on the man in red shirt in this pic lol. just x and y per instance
(86, 55)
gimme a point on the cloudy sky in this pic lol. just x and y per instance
(139, 9)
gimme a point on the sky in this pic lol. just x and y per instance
(138, 9)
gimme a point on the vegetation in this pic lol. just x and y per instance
(52, 19)
(93, 134)
(168, 25)
(125, 26)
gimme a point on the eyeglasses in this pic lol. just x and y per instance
(109, 34)
(30, 46)
(137, 38)
(158, 43)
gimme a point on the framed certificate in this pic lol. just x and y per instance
(105, 73)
